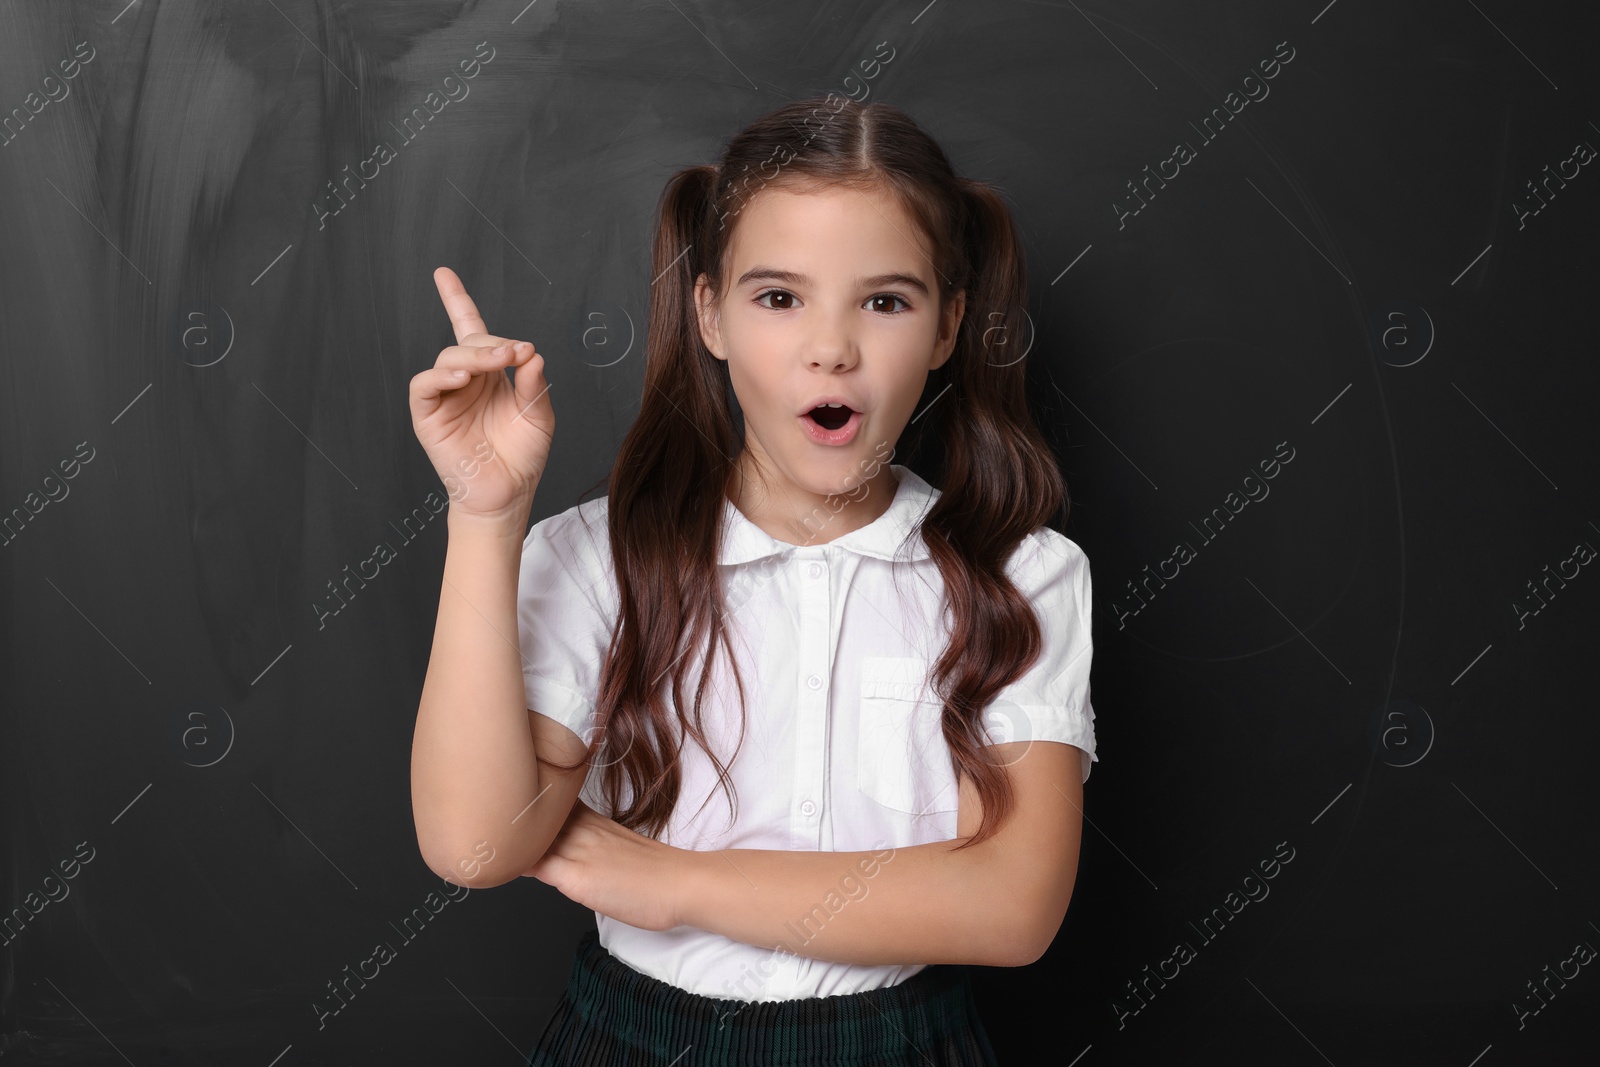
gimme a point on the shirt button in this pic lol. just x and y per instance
(814, 682)
(816, 570)
(808, 809)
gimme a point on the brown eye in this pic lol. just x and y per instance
(890, 297)
(776, 294)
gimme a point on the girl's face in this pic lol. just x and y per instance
(829, 295)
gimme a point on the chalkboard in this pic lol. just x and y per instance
(1306, 292)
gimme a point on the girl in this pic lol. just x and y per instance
(903, 794)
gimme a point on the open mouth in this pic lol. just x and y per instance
(830, 418)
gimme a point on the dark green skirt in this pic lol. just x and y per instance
(614, 1016)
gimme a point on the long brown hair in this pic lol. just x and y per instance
(668, 485)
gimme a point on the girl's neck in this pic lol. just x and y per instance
(798, 517)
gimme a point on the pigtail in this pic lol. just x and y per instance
(683, 217)
(994, 455)
(666, 495)
(1001, 483)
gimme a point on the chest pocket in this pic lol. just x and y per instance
(902, 760)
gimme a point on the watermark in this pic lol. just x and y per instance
(206, 335)
(457, 490)
(1255, 490)
(1400, 732)
(327, 607)
(1566, 570)
(598, 336)
(1582, 153)
(1582, 954)
(1185, 153)
(782, 154)
(1401, 333)
(384, 953)
(55, 91)
(748, 579)
(458, 483)
(54, 891)
(469, 866)
(55, 491)
(998, 330)
(870, 69)
(852, 886)
(200, 746)
(814, 521)
(455, 90)
(1209, 930)
(1004, 722)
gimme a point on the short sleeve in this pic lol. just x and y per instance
(566, 606)
(1050, 702)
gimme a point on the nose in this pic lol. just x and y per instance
(832, 344)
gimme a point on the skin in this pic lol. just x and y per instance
(995, 904)
(786, 343)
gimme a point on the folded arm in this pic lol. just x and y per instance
(998, 903)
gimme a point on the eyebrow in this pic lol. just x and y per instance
(910, 281)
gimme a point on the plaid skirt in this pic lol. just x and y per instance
(614, 1016)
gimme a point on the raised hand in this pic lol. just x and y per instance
(488, 440)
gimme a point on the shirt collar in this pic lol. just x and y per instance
(894, 536)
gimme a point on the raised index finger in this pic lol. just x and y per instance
(464, 317)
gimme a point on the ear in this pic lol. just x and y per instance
(949, 328)
(707, 316)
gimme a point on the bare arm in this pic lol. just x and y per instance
(485, 808)
(996, 904)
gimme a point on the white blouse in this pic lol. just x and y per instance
(842, 750)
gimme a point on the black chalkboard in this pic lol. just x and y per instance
(1306, 291)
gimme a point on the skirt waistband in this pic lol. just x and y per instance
(932, 1009)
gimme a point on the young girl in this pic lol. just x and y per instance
(898, 726)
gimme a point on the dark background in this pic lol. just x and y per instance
(1342, 672)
